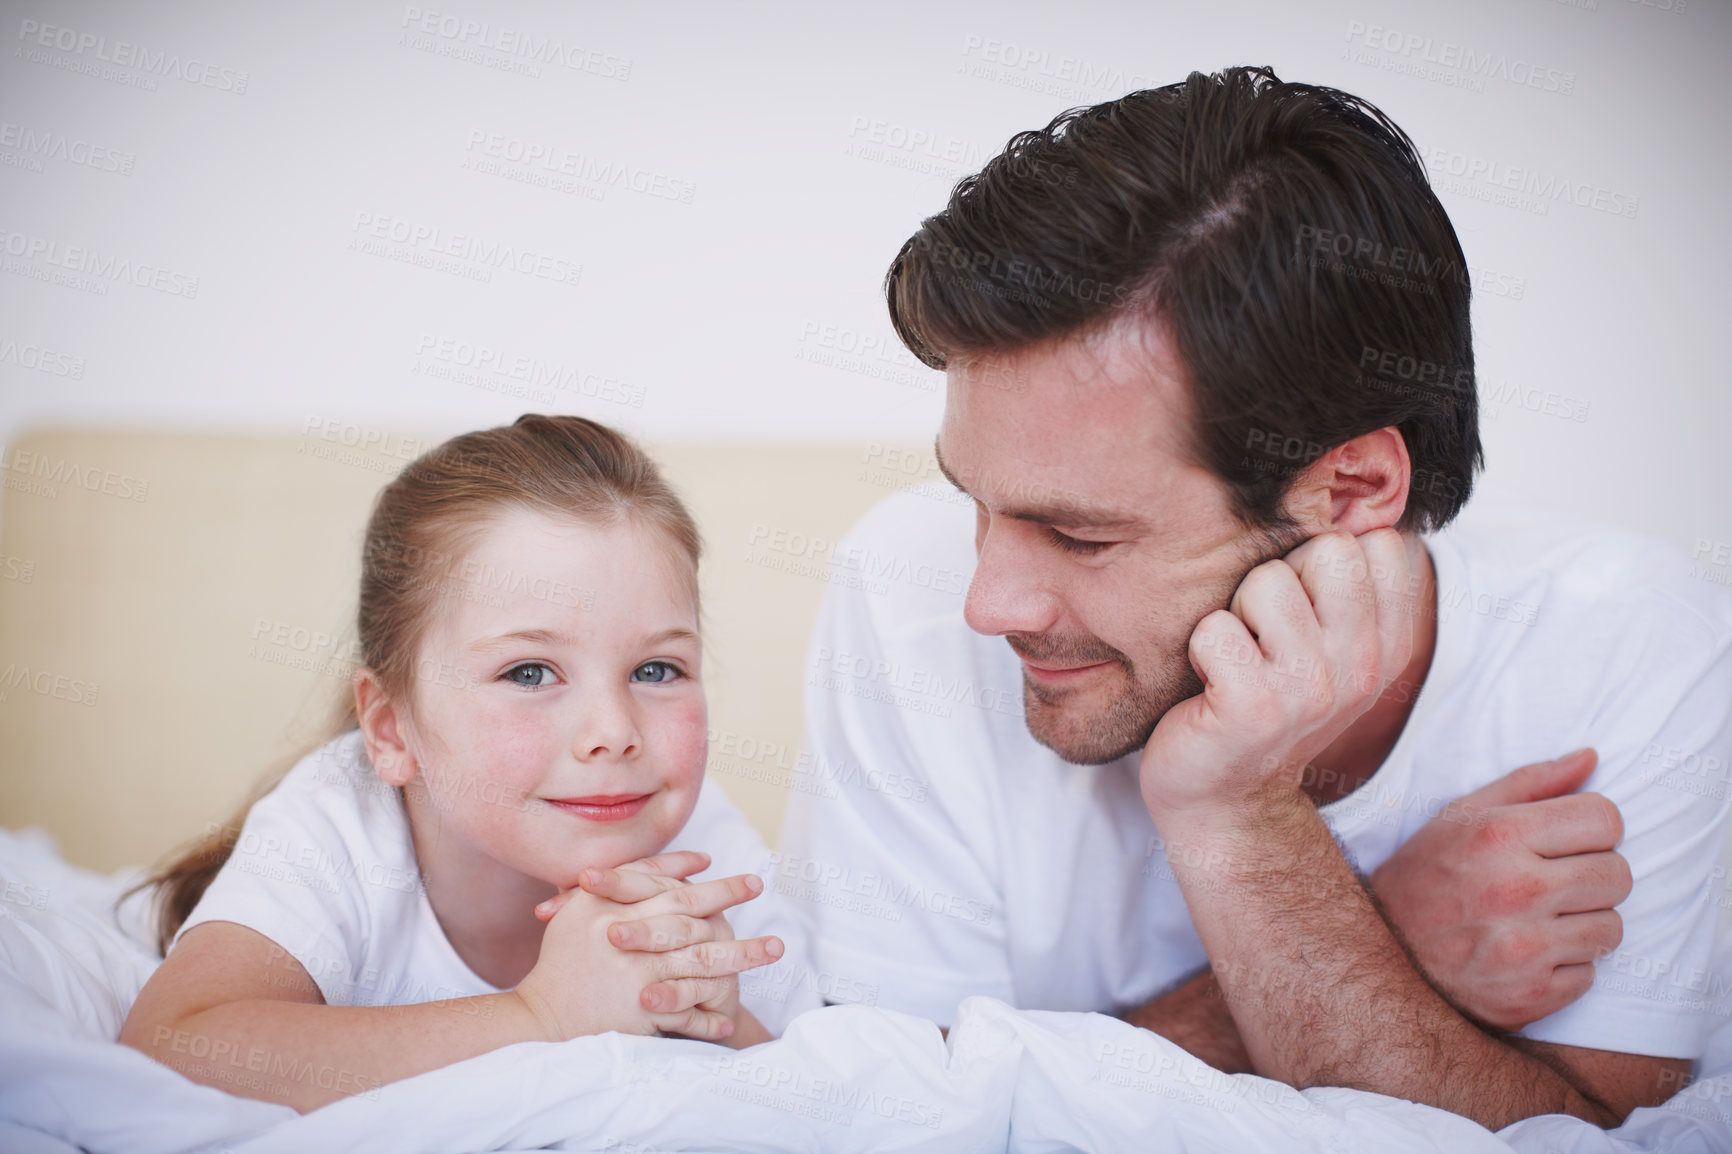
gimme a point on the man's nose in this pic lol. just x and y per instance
(1009, 594)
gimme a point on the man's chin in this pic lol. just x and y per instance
(1088, 736)
(1109, 722)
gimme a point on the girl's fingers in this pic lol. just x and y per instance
(678, 995)
(626, 885)
(639, 880)
(704, 1025)
(702, 899)
(661, 933)
(720, 959)
(553, 905)
(651, 877)
(682, 863)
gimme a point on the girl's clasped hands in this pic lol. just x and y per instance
(641, 950)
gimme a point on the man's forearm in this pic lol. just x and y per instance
(1320, 990)
(1196, 1017)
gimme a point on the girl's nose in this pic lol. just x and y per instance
(607, 730)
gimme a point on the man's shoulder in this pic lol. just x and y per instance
(1556, 630)
(893, 652)
(910, 558)
(932, 519)
(1587, 575)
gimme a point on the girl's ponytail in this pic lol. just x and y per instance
(183, 879)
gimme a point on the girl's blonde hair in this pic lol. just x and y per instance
(423, 523)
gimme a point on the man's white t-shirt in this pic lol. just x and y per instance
(325, 867)
(943, 852)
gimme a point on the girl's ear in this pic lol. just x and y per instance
(382, 730)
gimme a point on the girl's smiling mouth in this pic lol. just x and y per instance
(603, 807)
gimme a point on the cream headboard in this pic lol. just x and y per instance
(175, 610)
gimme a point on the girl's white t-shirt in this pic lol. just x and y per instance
(325, 868)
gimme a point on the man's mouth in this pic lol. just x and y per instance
(1059, 675)
(1053, 663)
(603, 807)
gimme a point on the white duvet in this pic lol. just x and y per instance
(847, 1078)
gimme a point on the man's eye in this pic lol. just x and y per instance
(530, 675)
(1076, 545)
(655, 672)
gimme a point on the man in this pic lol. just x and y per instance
(1210, 398)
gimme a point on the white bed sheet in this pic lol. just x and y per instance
(846, 1078)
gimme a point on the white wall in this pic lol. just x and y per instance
(783, 151)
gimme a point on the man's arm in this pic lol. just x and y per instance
(1487, 898)
(1323, 994)
(1319, 987)
(1194, 1015)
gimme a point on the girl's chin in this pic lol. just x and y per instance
(563, 868)
(566, 852)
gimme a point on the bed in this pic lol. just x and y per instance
(844, 1078)
(164, 636)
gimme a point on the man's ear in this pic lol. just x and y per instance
(383, 730)
(1357, 486)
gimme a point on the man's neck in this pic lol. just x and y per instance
(1352, 758)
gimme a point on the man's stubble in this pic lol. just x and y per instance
(1129, 717)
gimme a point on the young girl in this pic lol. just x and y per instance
(528, 720)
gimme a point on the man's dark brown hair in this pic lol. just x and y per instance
(1285, 235)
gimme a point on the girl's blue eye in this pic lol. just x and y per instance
(655, 672)
(531, 675)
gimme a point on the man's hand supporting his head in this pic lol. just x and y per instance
(1318, 985)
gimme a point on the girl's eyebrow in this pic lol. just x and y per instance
(533, 636)
(555, 637)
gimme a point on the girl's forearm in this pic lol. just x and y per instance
(307, 1055)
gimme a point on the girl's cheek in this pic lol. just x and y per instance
(490, 715)
(502, 742)
(686, 739)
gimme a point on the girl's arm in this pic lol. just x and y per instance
(230, 1008)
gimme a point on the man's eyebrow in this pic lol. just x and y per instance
(1057, 509)
(1066, 515)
